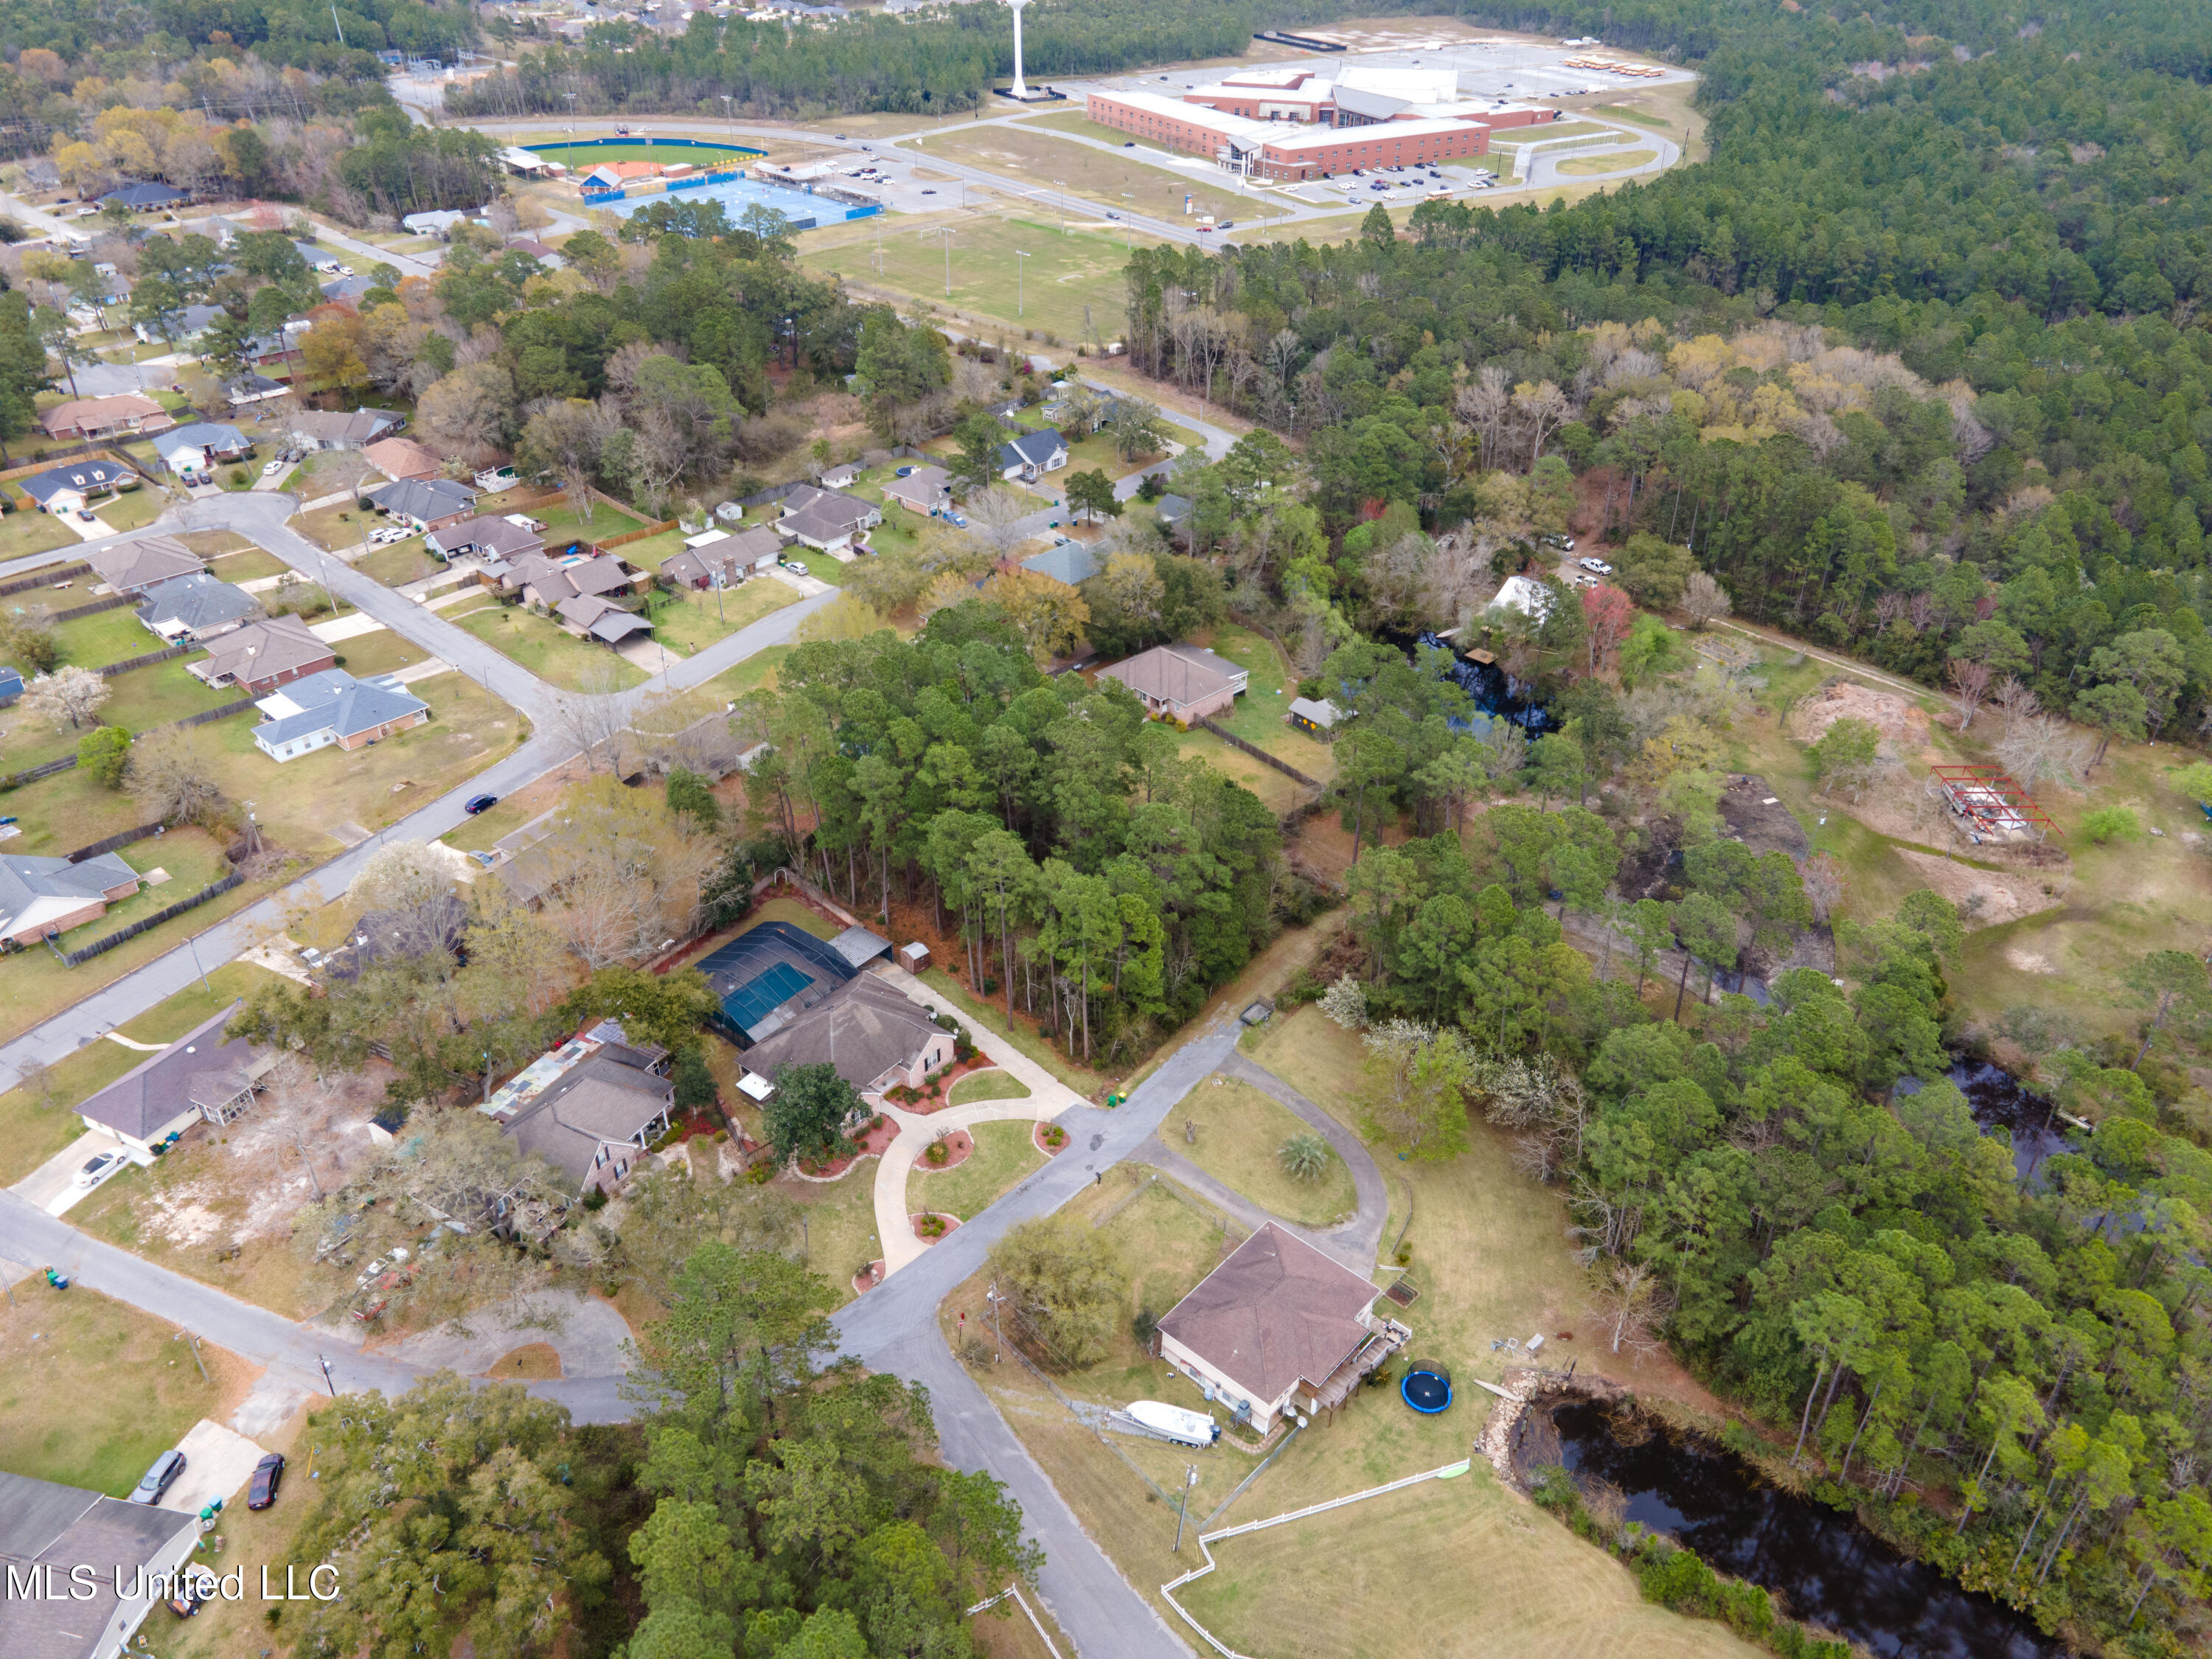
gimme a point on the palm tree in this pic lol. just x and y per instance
(1306, 1156)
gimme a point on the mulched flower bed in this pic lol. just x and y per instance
(928, 1100)
(868, 1277)
(1038, 1134)
(958, 1145)
(951, 1225)
(869, 1142)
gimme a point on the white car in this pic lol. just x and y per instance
(345, 271)
(99, 1169)
(389, 534)
(272, 469)
(383, 1264)
(1596, 567)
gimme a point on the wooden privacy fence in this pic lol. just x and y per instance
(113, 602)
(67, 760)
(122, 839)
(47, 578)
(1257, 753)
(637, 535)
(123, 935)
(146, 661)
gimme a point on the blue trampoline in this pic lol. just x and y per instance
(753, 1001)
(1426, 1391)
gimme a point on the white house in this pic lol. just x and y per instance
(1032, 455)
(1526, 596)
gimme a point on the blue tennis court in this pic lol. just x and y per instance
(753, 1001)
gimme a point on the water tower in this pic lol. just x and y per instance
(1021, 92)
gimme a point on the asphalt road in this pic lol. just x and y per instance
(261, 517)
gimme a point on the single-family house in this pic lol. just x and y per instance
(1278, 1326)
(66, 488)
(722, 557)
(426, 503)
(494, 540)
(322, 428)
(196, 608)
(39, 174)
(595, 618)
(43, 896)
(346, 290)
(544, 253)
(1172, 510)
(105, 1558)
(841, 478)
(1523, 594)
(825, 526)
(263, 655)
(549, 582)
(402, 458)
(872, 1034)
(439, 923)
(125, 415)
(249, 391)
(187, 326)
(1069, 560)
(330, 707)
(432, 224)
(201, 1077)
(1032, 455)
(925, 489)
(145, 198)
(1317, 717)
(192, 452)
(11, 685)
(595, 1121)
(1183, 682)
(133, 567)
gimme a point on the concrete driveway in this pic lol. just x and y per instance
(218, 1463)
(53, 1186)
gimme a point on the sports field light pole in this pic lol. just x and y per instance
(1019, 271)
(945, 231)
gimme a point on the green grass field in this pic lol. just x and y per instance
(398, 562)
(1240, 1134)
(540, 646)
(246, 564)
(986, 1085)
(137, 701)
(380, 653)
(1062, 275)
(1258, 717)
(689, 622)
(1004, 1155)
(584, 157)
(134, 509)
(1612, 162)
(755, 672)
(96, 641)
(1122, 179)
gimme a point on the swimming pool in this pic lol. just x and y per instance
(804, 210)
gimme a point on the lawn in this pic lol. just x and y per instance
(986, 1085)
(246, 564)
(1239, 1133)
(1063, 274)
(1259, 715)
(96, 641)
(1277, 793)
(650, 552)
(713, 159)
(563, 523)
(92, 1391)
(540, 646)
(134, 509)
(337, 529)
(137, 701)
(840, 1224)
(380, 653)
(1611, 161)
(689, 622)
(35, 1125)
(1005, 1154)
(756, 672)
(1022, 1034)
(1119, 179)
(1642, 118)
(329, 471)
(818, 564)
(397, 562)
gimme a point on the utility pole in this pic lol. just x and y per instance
(194, 948)
(1183, 1501)
(1020, 272)
(998, 1335)
(187, 1336)
(327, 1383)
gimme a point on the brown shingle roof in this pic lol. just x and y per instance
(164, 1085)
(863, 1027)
(402, 457)
(1173, 675)
(1276, 1311)
(141, 563)
(259, 650)
(599, 1101)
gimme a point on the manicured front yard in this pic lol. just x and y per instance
(986, 1085)
(755, 672)
(540, 646)
(398, 562)
(338, 529)
(24, 533)
(378, 654)
(1239, 1135)
(133, 508)
(244, 564)
(1004, 1155)
(689, 622)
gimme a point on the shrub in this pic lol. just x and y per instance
(937, 1154)
(2110, 823)
(1304, 1157)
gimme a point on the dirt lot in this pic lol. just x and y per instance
(1986, 898)
(1903, 725)
(1757, 818)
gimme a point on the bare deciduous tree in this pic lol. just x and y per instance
(995, 515)
(69, 697)
(1970, 684)
(1633, 1305)
(171, 780)
(1705, 601)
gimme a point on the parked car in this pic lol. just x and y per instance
(85, 513)
(158, 1479)
(99, 1169)
(345, 271)
(1596, 567)
(383, 1264)
(273, 468)
(268, 1475)
(480, 804)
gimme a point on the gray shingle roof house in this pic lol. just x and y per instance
(433, 503)
(48, 1532)
(134, 567)
(196, 607)
(334, 708)
(1032, 455)
(826, 519)
(1277, 1319)
(549, 581)
(144, 196)
(1070, 561)
(39, 895)
(202, 1077)
(263, 655)
(1185, 683)
(202, 442)
(347, 288)
(597, 1120)
(926, 490)
(344, 429)
(600, 619)
(736, 555)
(487, 536)
(65, 487)
(873, 1036)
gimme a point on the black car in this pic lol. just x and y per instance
(480, 804)
(158, 1479)
(268, 1475)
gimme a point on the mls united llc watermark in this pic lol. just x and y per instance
(48, 1582)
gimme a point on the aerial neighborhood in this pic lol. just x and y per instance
(939, 831)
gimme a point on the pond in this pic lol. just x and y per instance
(2001, 1101)
(1493, 691)
(1822, 1567)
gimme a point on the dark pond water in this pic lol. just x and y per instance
(1495, 692)
(1821, 1565)
(2001, 1101)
